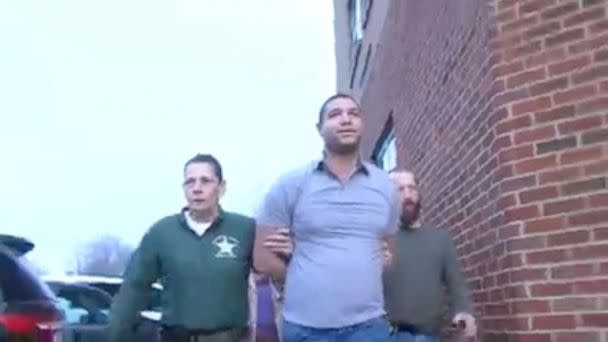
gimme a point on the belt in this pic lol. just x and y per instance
(180, 334)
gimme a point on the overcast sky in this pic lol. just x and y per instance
(102, 102)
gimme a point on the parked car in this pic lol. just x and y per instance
(111, 285)
(87, 310)
(87, 301)
(28, 307)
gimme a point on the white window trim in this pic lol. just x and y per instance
(357, 27)
(387, 157)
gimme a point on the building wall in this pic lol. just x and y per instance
(501, 108)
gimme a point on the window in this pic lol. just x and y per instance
(363, 76)
(18, 283)
(385, 152)
(387, 158)
(355, 10)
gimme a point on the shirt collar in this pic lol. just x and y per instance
(360, 166)
(220, 216)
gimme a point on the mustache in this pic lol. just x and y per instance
(410, 202)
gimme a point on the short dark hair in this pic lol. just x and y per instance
(331, 98)
(210, 159)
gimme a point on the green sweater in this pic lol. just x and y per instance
(425, 266)
(205, 278)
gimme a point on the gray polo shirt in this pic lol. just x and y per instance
(334, 278)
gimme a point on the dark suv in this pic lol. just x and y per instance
(28, 308)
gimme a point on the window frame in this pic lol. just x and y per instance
(386, 146)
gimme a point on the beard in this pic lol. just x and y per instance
(333, 145)
(410, 213)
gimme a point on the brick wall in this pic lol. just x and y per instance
(501, 108)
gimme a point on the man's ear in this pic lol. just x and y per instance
(222, 188)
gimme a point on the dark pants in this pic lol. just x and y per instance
(172, 334)
(375, 330)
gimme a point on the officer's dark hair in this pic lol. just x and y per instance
(210, 159)
(331, 98)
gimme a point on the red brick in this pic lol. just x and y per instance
(515, 184)
(505, 4)
(528, 274)
(546, 56)
(516, 153)
(506, 69)
(535, 164)
(519, 24)
(555, 114)
(534, 134)
(579, 124)
(521, 213)
(496, 309)
(575, 94)
(553, 322)
(599, 200)
(513, 124)
(563, 206)
(600, 56)
(597, 136)
(596, 72)
(560, 175)
(550, 256)
(604, 86)
(530, 6)
(592, 106)
(500, 143)
(598, 27)
(556, 145)
(569, 65)
(531, 105)
(599, 167)
(577, 336)
(506, 15)
(549, 86)
(574, 304)
(589, 218)
(596, 320)
(530, 306)
(565, 37)
(543, 29)
(568, 238)
(551, 289)
(538, 194)
(506, 201)
(525, 243)
(559, 11)
(545, 224)
(589, 44)
(572, 271)
(515, 291)
(581, 155)
(596, 286)
(601, 234)
(585, 16)
(525, 77)
(583, 186)
(589, 252)
(522, 51)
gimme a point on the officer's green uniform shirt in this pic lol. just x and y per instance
(205, 278)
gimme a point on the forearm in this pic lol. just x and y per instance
(265, 261)
(132, 297)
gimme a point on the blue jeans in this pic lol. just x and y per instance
(374, 330)
(406, 336)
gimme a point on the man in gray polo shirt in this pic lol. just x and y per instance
(340, 211)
